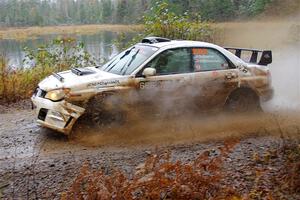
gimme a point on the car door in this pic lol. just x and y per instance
(215, 76)
(173, 74)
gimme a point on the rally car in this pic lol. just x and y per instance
(203, 74)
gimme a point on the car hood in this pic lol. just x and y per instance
(77, 81)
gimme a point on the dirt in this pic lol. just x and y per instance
(37, 163)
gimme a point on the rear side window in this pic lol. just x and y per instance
(173, 61)
(206, 59)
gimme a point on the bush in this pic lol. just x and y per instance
(162, 22)
(158, 178)
(60, 54)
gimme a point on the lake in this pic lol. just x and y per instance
(100, 45)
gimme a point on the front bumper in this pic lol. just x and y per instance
(59, 116)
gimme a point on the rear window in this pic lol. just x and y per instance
(206, 59)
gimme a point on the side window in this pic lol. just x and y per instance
(205, 59)
(172, 61)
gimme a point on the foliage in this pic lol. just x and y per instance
(273, 173)
(61, 54)
(286, 180)
(158, 178)
(42, 13)
(161, 21)
(252, 8)
(165, 23)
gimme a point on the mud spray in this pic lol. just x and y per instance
(281, 114)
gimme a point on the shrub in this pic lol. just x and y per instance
(60, 54)
(162, 22)
(157, 178)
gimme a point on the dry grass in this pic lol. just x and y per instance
(24, 33)
(17, 84)
(158, 178)
(206, 177)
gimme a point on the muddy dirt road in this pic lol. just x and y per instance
(36, 163)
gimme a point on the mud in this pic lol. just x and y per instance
(172, 131)
(37, 163)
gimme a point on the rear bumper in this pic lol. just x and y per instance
(59, 116)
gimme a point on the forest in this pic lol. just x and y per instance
(66, 12)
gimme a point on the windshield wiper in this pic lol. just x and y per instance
(109, 65)
(130, 62)
(108, 68)
(127, 52)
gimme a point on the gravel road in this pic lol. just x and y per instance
(36, 163)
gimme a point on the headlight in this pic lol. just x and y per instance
(57, 95)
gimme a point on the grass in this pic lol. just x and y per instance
(205, 177)
(157, 178)
(17, 84)
(24, 33)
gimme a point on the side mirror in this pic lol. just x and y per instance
(149, 72)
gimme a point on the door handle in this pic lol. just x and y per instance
(231, 75)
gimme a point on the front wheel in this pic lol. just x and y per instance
(104, 110)
(242, 101)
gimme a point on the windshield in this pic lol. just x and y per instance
(128, 61)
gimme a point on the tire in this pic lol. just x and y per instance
(243, 101)
(104, 110)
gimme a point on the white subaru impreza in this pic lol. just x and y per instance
(208, 75)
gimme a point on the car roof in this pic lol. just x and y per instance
(179, 43)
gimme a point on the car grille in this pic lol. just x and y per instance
(39, 93)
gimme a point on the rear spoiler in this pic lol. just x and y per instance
(265, 58)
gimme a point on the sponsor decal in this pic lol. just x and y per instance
(167, 84)
(150, 85)
(199, 51)
(104, 83)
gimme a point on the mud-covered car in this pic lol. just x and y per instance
(169, 73)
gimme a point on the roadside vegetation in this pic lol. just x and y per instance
(164, 22)
(206, 177)
(62, 54)
(157, 178)
(66, 12)
(24, 33)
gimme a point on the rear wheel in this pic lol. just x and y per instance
(242, 101)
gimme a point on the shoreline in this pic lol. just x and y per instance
(24, 33)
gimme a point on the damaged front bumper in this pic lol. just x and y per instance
(59, 116)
